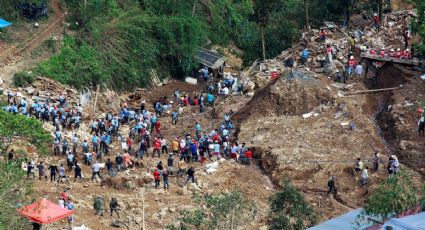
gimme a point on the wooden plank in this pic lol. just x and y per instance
(376, 57)
(373, 90)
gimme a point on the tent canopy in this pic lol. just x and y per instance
(4, 23)
(44, 212)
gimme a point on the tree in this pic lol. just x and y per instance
(380, 10)
(225, 211)
(18, 127)
(418, 26)
(289, 209)
(307, 16)
(12, 181)
(392, 197)
(261, 16)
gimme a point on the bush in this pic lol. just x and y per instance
(290, 210)
(23, 78)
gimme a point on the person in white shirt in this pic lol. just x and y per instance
(225, 91)
(365, 177)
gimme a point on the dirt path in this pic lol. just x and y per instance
(15, 52)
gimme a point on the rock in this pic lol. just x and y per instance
(403, 144)
(162, 214)
(172, 209)
(129, 185)
(138, 220)
(182, 191)
(155, 216)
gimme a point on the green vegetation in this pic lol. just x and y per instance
(392, 197)
(18, 127)
(225, 211)
(15, 128)
(12, 181)
(23, 78)
(289, 210)
(419, 27)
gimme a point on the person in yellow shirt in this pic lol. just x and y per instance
(175, 146)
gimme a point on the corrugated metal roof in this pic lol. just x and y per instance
(210, 58)
(346, 221)
(413, 222)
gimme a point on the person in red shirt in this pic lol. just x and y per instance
(186, 101)
(156, 147)
(248, 155)
(329, 52)
(196, 101)
(64, 196)
(372, 51)
(129, 143)
(158, 127)
(382, 53)
(351, 65)
(157, 177)
(376, 22)
(322, 35)
(406, 54)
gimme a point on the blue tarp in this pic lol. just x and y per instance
(347, 221)
(413, 222)
(4, 23)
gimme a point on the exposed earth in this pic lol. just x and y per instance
(299, 129)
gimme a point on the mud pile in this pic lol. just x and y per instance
(309, 149)
(283, 97)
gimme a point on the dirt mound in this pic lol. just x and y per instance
(286, 97)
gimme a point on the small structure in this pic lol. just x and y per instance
(44, 212)
(346, 221)
(413, 222)
(210, 58)
(4, 23)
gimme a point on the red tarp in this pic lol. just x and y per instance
(44, 212)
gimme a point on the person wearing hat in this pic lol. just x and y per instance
(382, 53)
(398, 53)
(351, 65)
(406, 54)
(392, 53)
(376, 22)
(375, 161)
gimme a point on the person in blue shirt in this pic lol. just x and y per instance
(304, 56)
(174, 117)
(94, 141)
(210, 99)
(198, 129)
(194, 151)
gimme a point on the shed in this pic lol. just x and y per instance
(413, 222)
(210, 58)
(346, 221)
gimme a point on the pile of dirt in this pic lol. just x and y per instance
(286, 97)
(310, 149)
